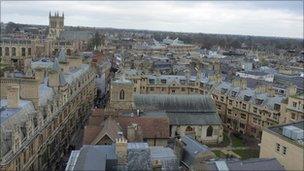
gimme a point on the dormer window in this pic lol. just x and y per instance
(277, 107)
(182, 82)
(151, 81)
(233, 94)
(258, 101)
(247, 98)
(223, 90)
(163, 81)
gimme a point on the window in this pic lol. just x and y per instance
(163, 81)
(209, 131)
(173, 91)
(163, 89)
(22, 51)
(255, 110)
(278, 146)
(151, 88)
(7, 51)
(134, 89)
(284, 150)
(293, 116)
(243, 116)
(244, 106)
(247, 98)
(230, 102)
(222, 98)
(29, 51)
(229, 112)
(182, 82)
(242, 125)
(69, 52)
(189, 129)
(294, 104)
(0, 51)
(183, 89)
(122, 94)
(13, 51)
(151, 81)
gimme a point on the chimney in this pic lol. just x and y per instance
(291, 90)
(121, 151)
(39, 75)
(53, 77)
(157, 165)
(261, 89)
(13, 97)
(243, 83)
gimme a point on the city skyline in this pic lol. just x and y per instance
(275, 19)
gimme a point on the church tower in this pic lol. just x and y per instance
(56, 25)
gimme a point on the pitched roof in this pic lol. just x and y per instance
(200, 118)
(110, 128)
(192, 148)
(174, 102)
(152, 127)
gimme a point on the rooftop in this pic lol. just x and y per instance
(279, 129)
(249, 165)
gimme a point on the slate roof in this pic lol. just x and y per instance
(175, 102)
(75, 35)
(192, 148)
(194, 118)
(255, 164)
(94, 157)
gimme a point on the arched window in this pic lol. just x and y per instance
(122, 94)
(69, 52)
(13, 51)
(7, 51)
(209, 131)
(189, 128)
(22, 51)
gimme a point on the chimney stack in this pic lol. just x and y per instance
(291, 90)
(13, 97)
(121, 151)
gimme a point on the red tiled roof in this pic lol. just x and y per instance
(152, 127)
(90, 133)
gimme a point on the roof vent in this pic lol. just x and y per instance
(293, 132)
(221, 166)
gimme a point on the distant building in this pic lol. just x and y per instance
(285, 143)
(56, 25)
(257, 75)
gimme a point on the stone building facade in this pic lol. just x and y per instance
(281, 144)
(53, 105)
(56, 25)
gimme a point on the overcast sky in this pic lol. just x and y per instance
(273, 18)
